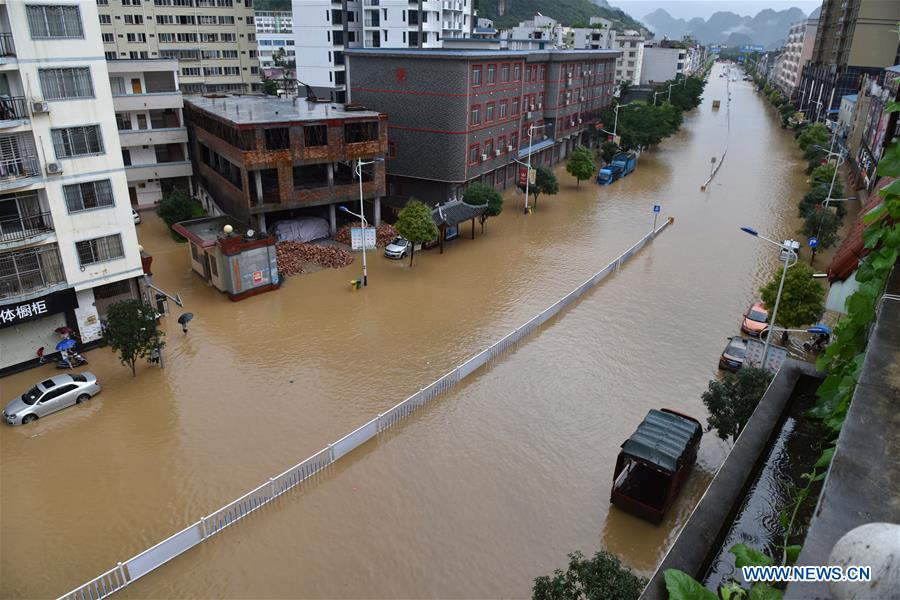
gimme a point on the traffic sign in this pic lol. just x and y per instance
(656, 208)
(813, 242)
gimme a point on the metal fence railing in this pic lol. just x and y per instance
(234, 511)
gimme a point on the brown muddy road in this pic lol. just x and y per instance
(492, 484)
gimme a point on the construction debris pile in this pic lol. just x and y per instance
(294, 256)
(383, 235)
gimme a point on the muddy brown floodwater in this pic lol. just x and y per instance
(488, 487)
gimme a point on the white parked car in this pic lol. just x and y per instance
(398, 248)
(50, 396)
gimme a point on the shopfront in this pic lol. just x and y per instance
(30, 324)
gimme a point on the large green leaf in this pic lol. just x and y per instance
(745, 556)
(885, 259)
(764, 591)
(889, 166)
(825, 458)
(872, 235)
(792, 552)
(682, 586)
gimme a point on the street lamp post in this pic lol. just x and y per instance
(828, 199)
(362, 218)
(787, 257)
(531, 128)
(655, 94)
(362, 211)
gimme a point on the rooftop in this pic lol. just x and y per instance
(444, 53)
(662, 439)
(456, 211)
(247, 110)
(206, 231)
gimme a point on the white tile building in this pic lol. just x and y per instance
(797, 52)
(68, 245)
(148, 105)
(661, 63)
(323, 30)
(274, 31)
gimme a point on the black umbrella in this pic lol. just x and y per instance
(183, 320)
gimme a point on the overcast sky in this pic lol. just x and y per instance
(687, 9)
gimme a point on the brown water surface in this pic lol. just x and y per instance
(492, 484)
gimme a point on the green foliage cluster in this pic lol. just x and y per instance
(478, 194)
(416, 225)
(544, 183)
(600, 577)
(608, 150)
(802, 299)
(581, 165)
(641, 125)
(177, 206)
(132, 331)
(731, 400)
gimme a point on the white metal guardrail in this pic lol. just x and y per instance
(123, 574)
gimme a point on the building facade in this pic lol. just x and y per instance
(797, 51)
(274, 32)
(629, 66)
(662, 63)
(465, 116)
(264, 159)
(854, 38)
(152, 133)
(68, 246)
(213, 40)
(325, 29)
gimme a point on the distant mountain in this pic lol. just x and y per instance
(769, 27)
(506, 13)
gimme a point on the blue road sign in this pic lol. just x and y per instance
(656, 208)
(813, 242)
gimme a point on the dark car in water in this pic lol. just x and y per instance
(732, 358)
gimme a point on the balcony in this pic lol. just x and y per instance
(29, 229)
(16, 172)
(129, 138)
(130, 102)
(180, 168)
(31, 272)
(13, 111)
(7, 50)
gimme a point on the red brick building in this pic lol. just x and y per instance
(263, 159)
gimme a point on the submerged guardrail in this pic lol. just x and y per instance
(123, 574)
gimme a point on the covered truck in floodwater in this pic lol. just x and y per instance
(654, 463)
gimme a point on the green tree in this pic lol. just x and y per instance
(270, 86)
(731, 400)
(801, 299)
(608, 150)
(581, 165)
(544, 183)
(177, 206)
(598, 578)
(132, 331)
(478, 194)
(287, 83)
(812, 135)
(416, 225)
(824, 225)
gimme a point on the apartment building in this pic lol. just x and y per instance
(325, 29)
(630, 64)
(797, 51)
(662, 62)
(540, 28)
(854, 38)
(462, 116)
(152, 134)
(274, 32)
(595, 37)
(213, 40)
(263, 159)
(68, 246)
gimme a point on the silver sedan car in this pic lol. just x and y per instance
(50, 396)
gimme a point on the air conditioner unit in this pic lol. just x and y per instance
(509, 148)
(54, 168)
(581, 98)
(497, 152)
(532, 107)
(484, 157)
(540, 105)
(580, 120)
(39, 106)
(528, 115)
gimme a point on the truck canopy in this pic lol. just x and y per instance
(662, 439)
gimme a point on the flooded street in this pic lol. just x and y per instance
(488, 487)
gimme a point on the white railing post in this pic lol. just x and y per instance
(330, 454)
(122, 574)
(203, 530)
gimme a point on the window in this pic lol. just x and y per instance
(489, 148)
(108, 38)
(475, 116)
(473, 154)
(489, 112)
(503, 104)
(137, 38)
(514, 141)
(501, 144)
(514, 112)
(315, 135)
(476, 76)
(528, 74)
(61, 84)
(517, 72)
(277, 138)
(100, 249)
(54, 22)
(492, 74)
(542, 72)
(138, 55)
(134, 19)
(190, 71)
(365, 131)
(77, 141)
(85, 196)
(105, 20)
(123, 121)
(504, 73)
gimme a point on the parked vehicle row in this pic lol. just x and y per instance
(755, 324)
